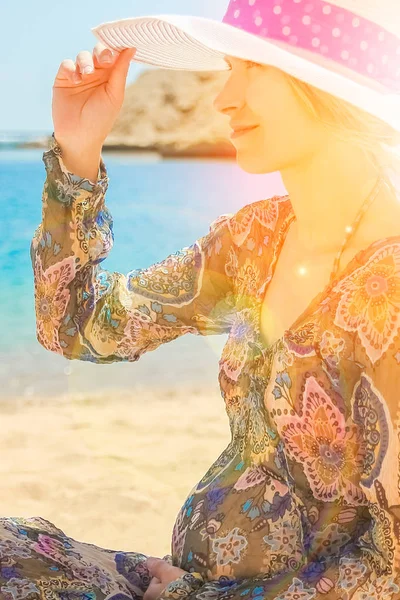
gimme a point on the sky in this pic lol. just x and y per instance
(36, 35)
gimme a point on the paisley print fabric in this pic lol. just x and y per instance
(304, 501)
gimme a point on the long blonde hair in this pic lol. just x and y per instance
(378, 139)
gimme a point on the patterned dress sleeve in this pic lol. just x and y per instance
(87, 313)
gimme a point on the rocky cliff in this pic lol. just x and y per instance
(171, 112)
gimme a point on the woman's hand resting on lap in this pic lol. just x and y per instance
(163, 573)
(87, 98)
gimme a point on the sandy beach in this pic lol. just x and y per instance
(110, 469)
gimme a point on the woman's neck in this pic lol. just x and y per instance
(328, 189)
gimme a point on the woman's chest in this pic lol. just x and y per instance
(264, 384)
(297, 281)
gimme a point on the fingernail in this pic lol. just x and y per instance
(106, 57)
(86, 70)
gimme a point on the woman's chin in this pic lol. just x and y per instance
(251, 164)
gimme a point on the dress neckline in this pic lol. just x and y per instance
(344, 272)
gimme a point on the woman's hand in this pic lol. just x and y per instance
(87, 98)
(163, 573)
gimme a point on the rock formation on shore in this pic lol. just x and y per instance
(171, 112)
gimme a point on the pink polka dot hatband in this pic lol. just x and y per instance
(349, 48)
(321, 27)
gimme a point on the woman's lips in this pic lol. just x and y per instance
(239, 132)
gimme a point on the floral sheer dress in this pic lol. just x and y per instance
(304, 502)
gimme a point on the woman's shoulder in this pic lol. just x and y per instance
(260, 218)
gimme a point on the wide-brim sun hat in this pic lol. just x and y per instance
(348, 48)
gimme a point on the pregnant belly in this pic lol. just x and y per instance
(238, 521)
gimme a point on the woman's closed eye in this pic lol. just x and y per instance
(250, 64)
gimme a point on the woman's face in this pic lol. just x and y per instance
(285, 133)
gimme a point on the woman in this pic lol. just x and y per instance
(304, 502)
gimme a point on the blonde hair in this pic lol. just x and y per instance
(378, 139)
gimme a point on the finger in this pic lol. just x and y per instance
(84, 63)
(154, 564)
(103, 57)
(121, 67)
(66, 69)
(154, 590)
(162, 570)
(149, 592)
(67, 72)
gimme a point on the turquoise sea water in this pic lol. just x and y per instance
(158, 207)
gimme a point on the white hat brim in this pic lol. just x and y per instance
(198, 44)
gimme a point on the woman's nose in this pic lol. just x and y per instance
(229, 98)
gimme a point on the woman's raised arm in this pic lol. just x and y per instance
(82, 311)
(85, 312)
